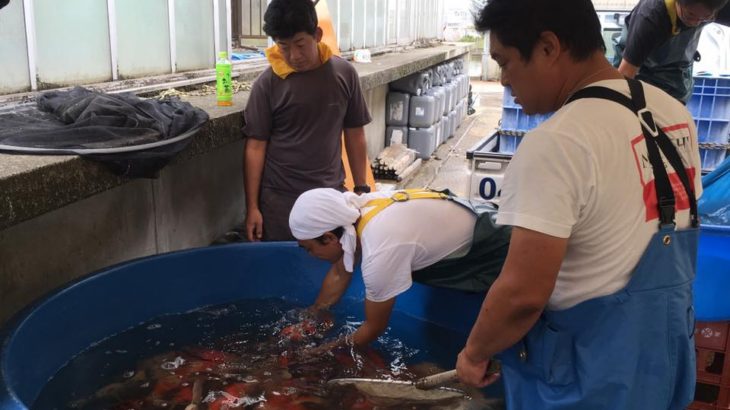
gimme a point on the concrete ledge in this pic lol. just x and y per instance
(33, 185)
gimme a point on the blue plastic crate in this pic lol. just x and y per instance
(514, 119)
(710, 108)
(508, 142)
(711, 158)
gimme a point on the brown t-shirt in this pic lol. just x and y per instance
(302, 117)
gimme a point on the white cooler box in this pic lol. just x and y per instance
(487, 169)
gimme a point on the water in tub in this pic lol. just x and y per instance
(255, 354)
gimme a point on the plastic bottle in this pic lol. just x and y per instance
(223, 84)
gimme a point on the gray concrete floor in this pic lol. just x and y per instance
(448, 167)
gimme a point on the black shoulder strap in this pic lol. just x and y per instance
(656, 141)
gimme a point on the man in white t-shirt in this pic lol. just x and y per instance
(400, 236)
(592, 309)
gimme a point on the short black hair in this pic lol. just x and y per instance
(285, 18)
(710, 4)
(519, 23)
(339, 231)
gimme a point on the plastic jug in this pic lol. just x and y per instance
(397, 109)
(223, 81)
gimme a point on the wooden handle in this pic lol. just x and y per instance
(436, 380)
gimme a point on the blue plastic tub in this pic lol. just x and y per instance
(712, 285)
(46, 335)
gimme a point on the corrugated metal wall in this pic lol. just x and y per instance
(45, 45)
(13, 49)
(374, 23)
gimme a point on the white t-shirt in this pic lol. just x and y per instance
(584, 174)
(408, 236)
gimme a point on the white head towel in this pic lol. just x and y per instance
(323, 210)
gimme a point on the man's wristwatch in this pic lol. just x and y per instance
(361, 189)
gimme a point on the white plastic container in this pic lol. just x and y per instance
(452, 123)
(397, 109)
(422, 111)
(396, 135)
(444, 127)
(423, 141)
(454, 95)
(415, 84)
(447, 98)
(440, 95)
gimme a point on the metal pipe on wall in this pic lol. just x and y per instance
(31, 46)
(111, 7)
(173, 35)
(216, 30)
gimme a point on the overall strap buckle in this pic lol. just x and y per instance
(666, 211)
(647, 121)
(401, 196)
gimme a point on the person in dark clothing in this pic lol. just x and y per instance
(659, 43)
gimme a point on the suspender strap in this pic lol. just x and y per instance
(401, 196)
(656, 141)
(661, 142)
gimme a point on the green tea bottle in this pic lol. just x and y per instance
(223, 84)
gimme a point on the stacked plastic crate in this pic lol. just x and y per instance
(425, 108)
(713, 366)
(515, 123)
(710, 108)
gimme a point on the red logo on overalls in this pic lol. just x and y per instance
(679, 134)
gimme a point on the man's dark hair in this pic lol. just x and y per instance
(285, 18)
(710, 4)
(519, 23)
(339, 231)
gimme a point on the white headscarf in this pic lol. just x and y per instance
(323, 210)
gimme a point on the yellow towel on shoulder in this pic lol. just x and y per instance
(282, 69)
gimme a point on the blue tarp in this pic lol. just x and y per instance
(249, 55)
(714, 204)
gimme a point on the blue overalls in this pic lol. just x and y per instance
(630, 350)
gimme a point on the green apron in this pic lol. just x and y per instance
(669, 66)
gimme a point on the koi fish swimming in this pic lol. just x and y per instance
(238, 357)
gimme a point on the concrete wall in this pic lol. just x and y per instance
(195, 199)
(375, 131)
(189, 205)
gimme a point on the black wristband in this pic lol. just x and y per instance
(361, 189)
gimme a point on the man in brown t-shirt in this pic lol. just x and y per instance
(295, 116)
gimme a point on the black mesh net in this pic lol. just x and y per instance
(133, 136)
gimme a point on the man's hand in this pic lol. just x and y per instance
(254, 225)
(627, 69)
(473, 373)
